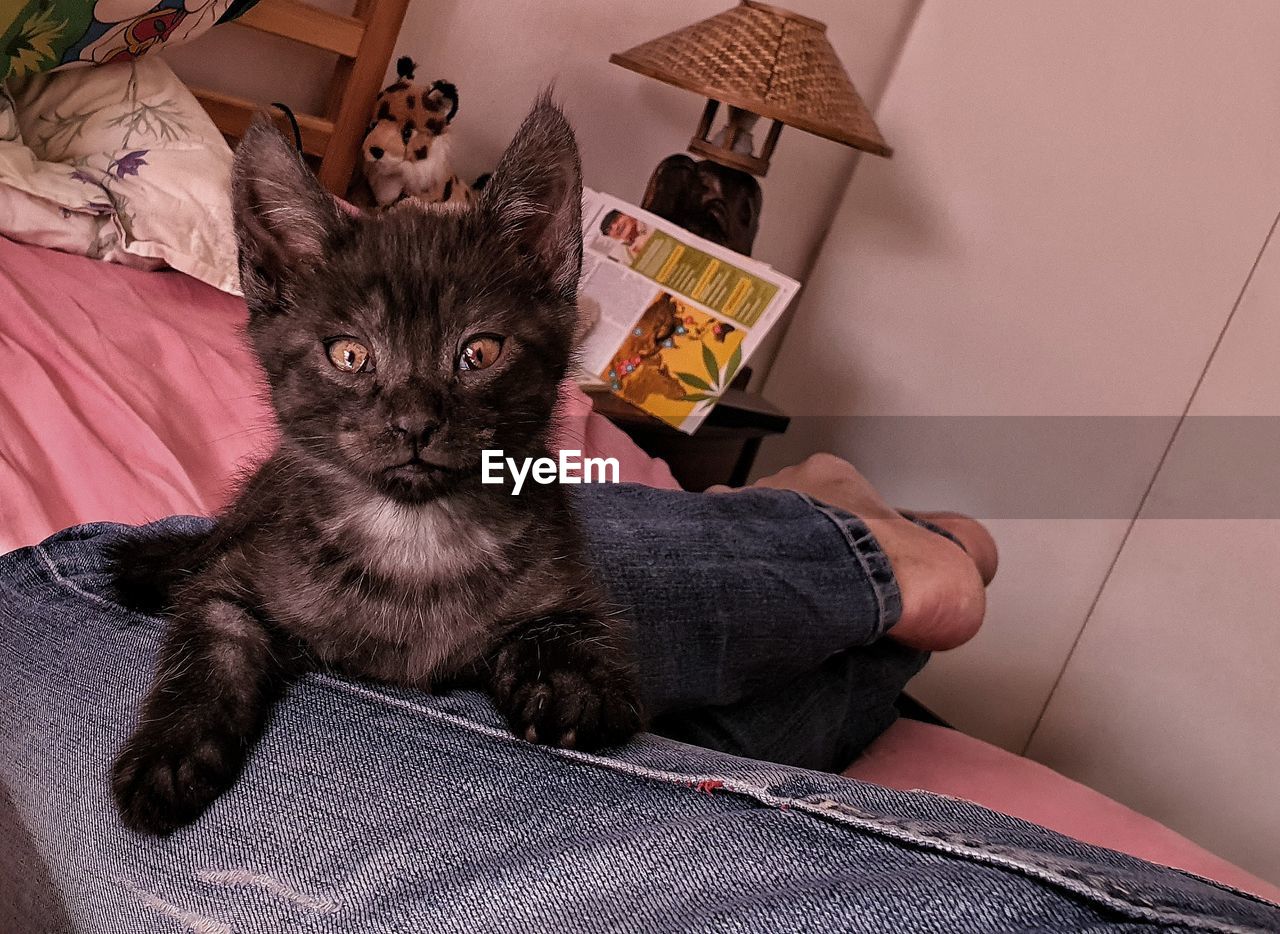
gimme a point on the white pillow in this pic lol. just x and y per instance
(119, 162)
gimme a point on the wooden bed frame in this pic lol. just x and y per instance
(363, 43)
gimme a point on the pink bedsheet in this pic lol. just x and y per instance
(127, 395)
(911, 754)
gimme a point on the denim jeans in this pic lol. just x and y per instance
(372, 809)
(758, 617)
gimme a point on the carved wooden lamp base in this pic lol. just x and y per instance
(708, 199)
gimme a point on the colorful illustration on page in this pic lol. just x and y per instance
(676, 361)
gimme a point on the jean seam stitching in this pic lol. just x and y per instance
(1031, 865)
(888, 594)
(843, 813)
(1214, 883)
(61, 580)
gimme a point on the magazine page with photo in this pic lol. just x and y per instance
(677, 316)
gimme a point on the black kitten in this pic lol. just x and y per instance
(397, 349)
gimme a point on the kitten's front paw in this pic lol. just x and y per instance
(163, 780)
(573, 699)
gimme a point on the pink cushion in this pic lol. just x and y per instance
(581, 428)
(911, 754)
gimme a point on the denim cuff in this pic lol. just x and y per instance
(871, 557)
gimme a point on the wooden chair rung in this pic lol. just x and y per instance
(234, 114)
(309, 25)
(363, 43)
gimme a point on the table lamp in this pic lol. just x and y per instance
(759, 61)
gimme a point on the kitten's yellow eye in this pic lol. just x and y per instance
(480, 353)
(349, 356)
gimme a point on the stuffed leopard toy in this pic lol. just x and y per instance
(406, 150)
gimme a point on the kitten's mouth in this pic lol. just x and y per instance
(416, 479)
(417, 467)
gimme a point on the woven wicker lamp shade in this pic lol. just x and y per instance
(767, 61)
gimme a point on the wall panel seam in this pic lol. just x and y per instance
(1155, 474)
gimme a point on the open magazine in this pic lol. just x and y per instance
(678, 316)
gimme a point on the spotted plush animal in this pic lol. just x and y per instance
(406, 150)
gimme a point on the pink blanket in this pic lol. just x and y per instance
(128, 396)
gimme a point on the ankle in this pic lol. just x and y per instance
(943, 598)
(973, 536)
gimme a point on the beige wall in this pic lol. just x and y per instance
(1192, 609)
(501, 52)
(1078, 194)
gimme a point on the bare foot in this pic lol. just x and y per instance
(973, 535)
(943, 600)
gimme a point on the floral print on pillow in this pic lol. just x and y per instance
(42, 35)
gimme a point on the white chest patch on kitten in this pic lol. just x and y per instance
(428, 540)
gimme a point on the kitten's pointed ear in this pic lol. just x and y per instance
(283, 217)
(535, 194)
